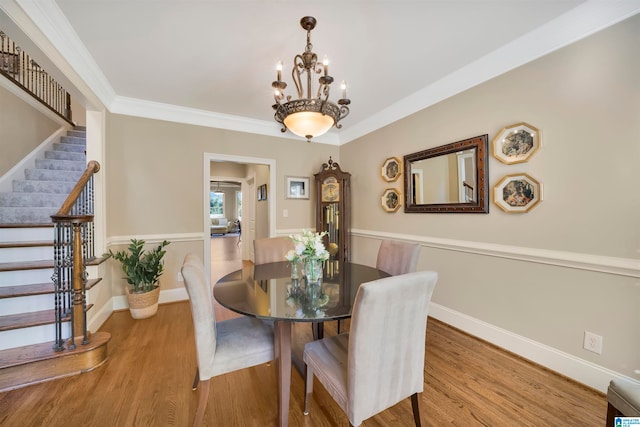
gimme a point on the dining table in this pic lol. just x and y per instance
(270, 293)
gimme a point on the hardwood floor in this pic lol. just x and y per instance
(147, 382)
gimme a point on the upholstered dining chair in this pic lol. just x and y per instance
(271, 249)
(396, 257)
(380, 361)
(623, 400)
(225, 346)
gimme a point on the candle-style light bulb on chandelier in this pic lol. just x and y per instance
(307, 116)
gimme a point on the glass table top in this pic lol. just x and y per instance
(267, 291)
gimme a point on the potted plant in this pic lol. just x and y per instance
(143, 270)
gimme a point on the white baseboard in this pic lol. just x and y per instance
(166, 296)
(580, 370)
(173, 295)
(101, 316)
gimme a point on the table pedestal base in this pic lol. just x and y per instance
(282, 345)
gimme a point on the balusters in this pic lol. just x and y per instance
(73, 247)
(16, 65)
(57, 279)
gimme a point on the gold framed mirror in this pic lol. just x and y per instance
(451, 178)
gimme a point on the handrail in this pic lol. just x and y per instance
(92, 168)
(73, 247)
(17, 66)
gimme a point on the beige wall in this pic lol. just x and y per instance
(155, 173)
(228, 169)
(78, 113)
(16, 139)
(585, 98)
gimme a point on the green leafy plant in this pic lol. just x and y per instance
(142, 268)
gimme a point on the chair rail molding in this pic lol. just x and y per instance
(602, 264)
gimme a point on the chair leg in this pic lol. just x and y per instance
(308, 388)
(415, 404)
(338, 327)
(317, 329)
(612, 413)
(196, 380)
(202, 403)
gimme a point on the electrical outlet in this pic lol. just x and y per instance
(180, 278)
(592, 342)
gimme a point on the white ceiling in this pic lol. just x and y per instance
(212, 62)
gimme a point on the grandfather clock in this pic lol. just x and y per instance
(333, 213)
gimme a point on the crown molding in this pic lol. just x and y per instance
(175, 113)
(49, 29)
(582, 21)
(578, 23)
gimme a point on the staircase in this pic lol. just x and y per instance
(27, 293)
(45, 187)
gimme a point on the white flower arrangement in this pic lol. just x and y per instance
(308, 246)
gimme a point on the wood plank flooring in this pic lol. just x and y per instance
(147, 382)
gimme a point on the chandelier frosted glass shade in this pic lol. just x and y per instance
(308, 124)
(308, 116)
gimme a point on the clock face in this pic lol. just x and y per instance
(330, 192)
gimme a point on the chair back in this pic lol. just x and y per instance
(387, 342)
(397, 257)
(271, 249)
(204, 320)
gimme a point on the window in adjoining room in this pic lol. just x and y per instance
(216, 204)
(239, 205)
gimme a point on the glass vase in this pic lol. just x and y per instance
(295, 272)
(313, 271)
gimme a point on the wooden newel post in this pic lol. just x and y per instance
(79, 312)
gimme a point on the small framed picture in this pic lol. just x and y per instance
(516, 143)
(297, 187)
(517, 193)
(390, 200)
(391, 169)
(262, 192)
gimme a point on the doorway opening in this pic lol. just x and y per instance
(256, 217)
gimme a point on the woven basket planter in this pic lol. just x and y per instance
(143, 305)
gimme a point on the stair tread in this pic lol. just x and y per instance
(26, 320)
(26, 265)
(41, 264)
(33, 244)
(42, 351)
(26, 290)
(36, 289)
(34, 318)
(26, 225)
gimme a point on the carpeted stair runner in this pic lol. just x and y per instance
(44, 189)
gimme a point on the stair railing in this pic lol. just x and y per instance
(73, 248)
(17, 66)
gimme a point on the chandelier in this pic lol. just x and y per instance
(307, 116)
